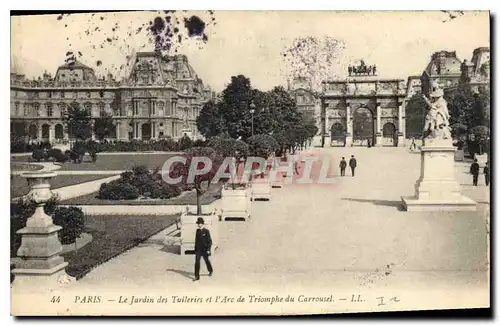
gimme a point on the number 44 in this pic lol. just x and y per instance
(55, 299)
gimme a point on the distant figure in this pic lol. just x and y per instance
(352, 164)
(342, 165)
(413, 146)
(369, 143)
(296, 164)
(202, 247)
(474, 170)
(487, 174)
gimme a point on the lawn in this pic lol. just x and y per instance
(19, 185)
(113, 162)
(112, 235)
(187, 198)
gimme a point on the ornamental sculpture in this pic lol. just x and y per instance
(362, 69)
(437, 123)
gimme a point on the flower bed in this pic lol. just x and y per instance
(111, 236)
(186, 198)
(19, 185)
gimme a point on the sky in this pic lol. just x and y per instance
(249, 42)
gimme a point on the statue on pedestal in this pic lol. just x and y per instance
(437, 123)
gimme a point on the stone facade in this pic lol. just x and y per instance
(379, 102)
(161, 97)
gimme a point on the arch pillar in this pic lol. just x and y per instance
(348, 117)
(378, 131)
(401, 126)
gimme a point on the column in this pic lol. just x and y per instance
(39, 130)
(327, 134)
(401, 138)
(378, 141)
(117, 130)
(51, 134)
(139, 130)
(153, 130)
(348, 138)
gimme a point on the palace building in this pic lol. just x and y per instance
(161, 96)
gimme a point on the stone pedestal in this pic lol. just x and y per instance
(328, 141)
(348, 140)
(38, 255)
(437, 189)
(401, 140)
(378, 139)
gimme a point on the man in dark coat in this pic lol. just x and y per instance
(202, 247)
(342, 165)
(474, 170)
(352, 164)
(486, 172)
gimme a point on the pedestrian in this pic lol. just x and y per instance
(474, 170)
(202, 247)
(352, 164)
(296, 164)
(413, 145)
(486, 172)
(342, 165)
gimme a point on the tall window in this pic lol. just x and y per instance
(17, 113)
(36, 108)
(88, 107)
(48, 107)
(62, 109)
(102, 110)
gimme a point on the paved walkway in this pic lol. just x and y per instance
(326, 239)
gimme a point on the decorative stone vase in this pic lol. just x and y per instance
(40, 245)
(188, 230)
(437, 188)
(235, 203)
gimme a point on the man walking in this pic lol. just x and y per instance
(474, 170)
(486, 172)
(352, 164)
(202, 246)
(343, 165)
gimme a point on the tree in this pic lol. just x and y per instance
(479, 140)
(103, 127)
(262, 145)
(79, 122)
(313, 58)
(416, 109)
(226, 147)
(201, 183)
(210, 121)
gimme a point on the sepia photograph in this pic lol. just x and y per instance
(249, 163)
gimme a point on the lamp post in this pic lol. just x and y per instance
(252, 111)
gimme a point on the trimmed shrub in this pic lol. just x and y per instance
(57, 155)
(20, 211)
(72, 221)
(118, 190)
(39, 154)
(185, 143)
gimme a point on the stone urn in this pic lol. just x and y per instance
(38, 254)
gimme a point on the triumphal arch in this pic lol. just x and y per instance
(363, 110)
